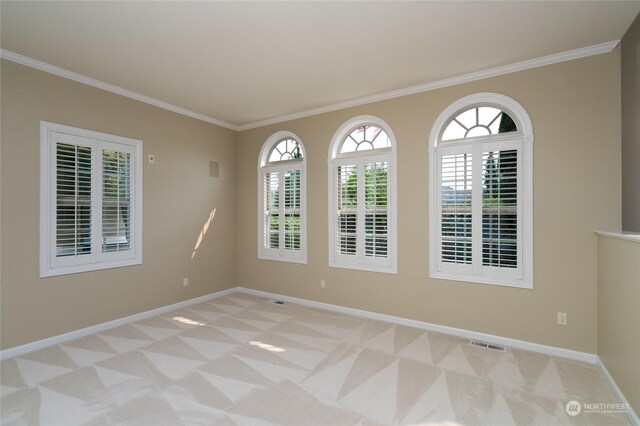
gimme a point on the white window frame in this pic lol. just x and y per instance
(264, 167)
(50, 265)
(359, 158)
(522, 140)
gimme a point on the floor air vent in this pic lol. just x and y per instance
(488, 345)
(277, 302)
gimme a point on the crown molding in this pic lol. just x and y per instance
(61, 72)
(425, 87)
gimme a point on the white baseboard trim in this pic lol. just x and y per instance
(61, 338)
(633, 417)
(467, 334)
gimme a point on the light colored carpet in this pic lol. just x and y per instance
(241, 359)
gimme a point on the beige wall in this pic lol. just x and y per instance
(618, 314)
(575, 110)
(630, 60)
(178, 198)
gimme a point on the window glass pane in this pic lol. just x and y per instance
(73, 200)
(506, 124)
(358, 135)
(364, 146)
(479, 121)
(488, 115)
(286, 149)
(500, 208)
(478, 131)
(381, 140)
(116, 201)
(349, 145)
(468, 118)
(456, 194)
(453, 131)
(365, 138)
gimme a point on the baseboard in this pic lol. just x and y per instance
(467, 334)
(61, 338)
(633, 417)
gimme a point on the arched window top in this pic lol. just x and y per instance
(362, 135)
(285, 150)
(364, 138)
(481, 115)
(281, 147)
(479, 121)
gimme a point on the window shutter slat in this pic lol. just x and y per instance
(117, 229)
(500, 209)
(347, 204)
(73, 208)
(456, 209)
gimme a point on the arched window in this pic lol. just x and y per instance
(480, 203)
(282, 199)
(362, 196)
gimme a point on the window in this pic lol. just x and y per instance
(91, 200)
(282, 199)
(362, 196)
(481, 213)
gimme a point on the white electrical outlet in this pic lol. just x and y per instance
(562, 318)
(322, 284)
(185, 281)
(152, 159)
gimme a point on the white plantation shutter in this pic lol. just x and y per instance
(347, 203)
(481, 192)
(362, 219)
(362, 194)
(479, 210)
(282, 214)
(376, 224)
(455, 206)
(73, 199)
(116, 201)
(91, 201)
(282, 199)
(291, 209)
(500, 209)
(272, 210)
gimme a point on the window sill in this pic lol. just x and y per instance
(368, 268)
(301, 260)
(528, 285)
(88, 267)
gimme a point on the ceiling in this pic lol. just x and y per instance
(245, 63)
